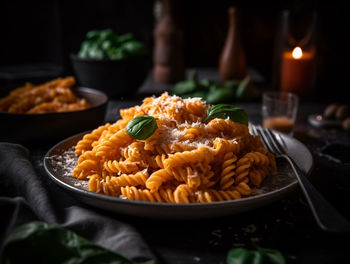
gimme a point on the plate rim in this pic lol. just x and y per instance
(118, 200)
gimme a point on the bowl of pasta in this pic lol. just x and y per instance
(174, 158)
(50, 111)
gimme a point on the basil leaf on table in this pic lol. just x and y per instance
(141, 127)
(220, 94)
(200, 94)
(233, 84)
(246, 89)
(258, 256)
(205, 84)
(242, 87)
(39, 242)
(184, 88)
(214, 92)
(224, 111)
(188, 86)
(193, 76)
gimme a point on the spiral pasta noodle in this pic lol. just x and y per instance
(184, 161)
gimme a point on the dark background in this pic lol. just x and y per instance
(41, 35)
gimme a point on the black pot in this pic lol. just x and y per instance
(118, 78)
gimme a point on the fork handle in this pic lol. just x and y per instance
(327, 217)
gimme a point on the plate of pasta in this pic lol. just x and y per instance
(174, 158)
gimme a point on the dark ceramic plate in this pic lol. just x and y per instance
(60, 161)
(24, 128)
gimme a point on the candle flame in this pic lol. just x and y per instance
(297, 53)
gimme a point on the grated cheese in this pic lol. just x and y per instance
(64, 165)
(65, 162)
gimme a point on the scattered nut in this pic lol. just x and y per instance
(342, 112)
(346, 124)
(330, 111)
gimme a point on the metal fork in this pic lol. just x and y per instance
(327, 217)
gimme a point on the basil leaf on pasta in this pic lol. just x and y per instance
(141, 127)
(224, 111)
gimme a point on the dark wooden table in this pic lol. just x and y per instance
(286, 225)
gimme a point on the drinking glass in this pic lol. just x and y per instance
(279, 111)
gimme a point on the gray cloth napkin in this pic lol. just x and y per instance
(28, 195)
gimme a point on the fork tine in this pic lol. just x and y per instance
(281, 140)
(250, 127)
(271, 140)
(275, 142)
(264, 139)
(256, 133)
(253, 130)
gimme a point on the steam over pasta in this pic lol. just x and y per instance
(50, 97)
(184, 161)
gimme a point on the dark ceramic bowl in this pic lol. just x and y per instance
(116, 78)
(24, 128)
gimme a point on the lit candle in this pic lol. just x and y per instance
(297, 71)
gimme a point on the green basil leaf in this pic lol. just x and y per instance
(259, 256)
(45, 243)
(101, 44)
(133, 47)
(107, 44)
(221, 94)
(96, 53)
(141, 127)
(200, 94)
(107, 34)
(193, 76)
(184, 87)
(242, 256)
(93, 34)
(242, 87)
(205, 83)
(117, 54)
(224, 111)
(125, 37)
(246, 90)
(187, 87)
(231, 84)
(274, 256)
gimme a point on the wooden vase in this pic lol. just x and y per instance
(232, 64)
(168, 55)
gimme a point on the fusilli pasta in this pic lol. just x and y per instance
(51, 97)
(184, 161)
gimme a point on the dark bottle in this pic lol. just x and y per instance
(232, 64)
(168, 55)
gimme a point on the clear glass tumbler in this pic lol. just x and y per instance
(279, 111)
